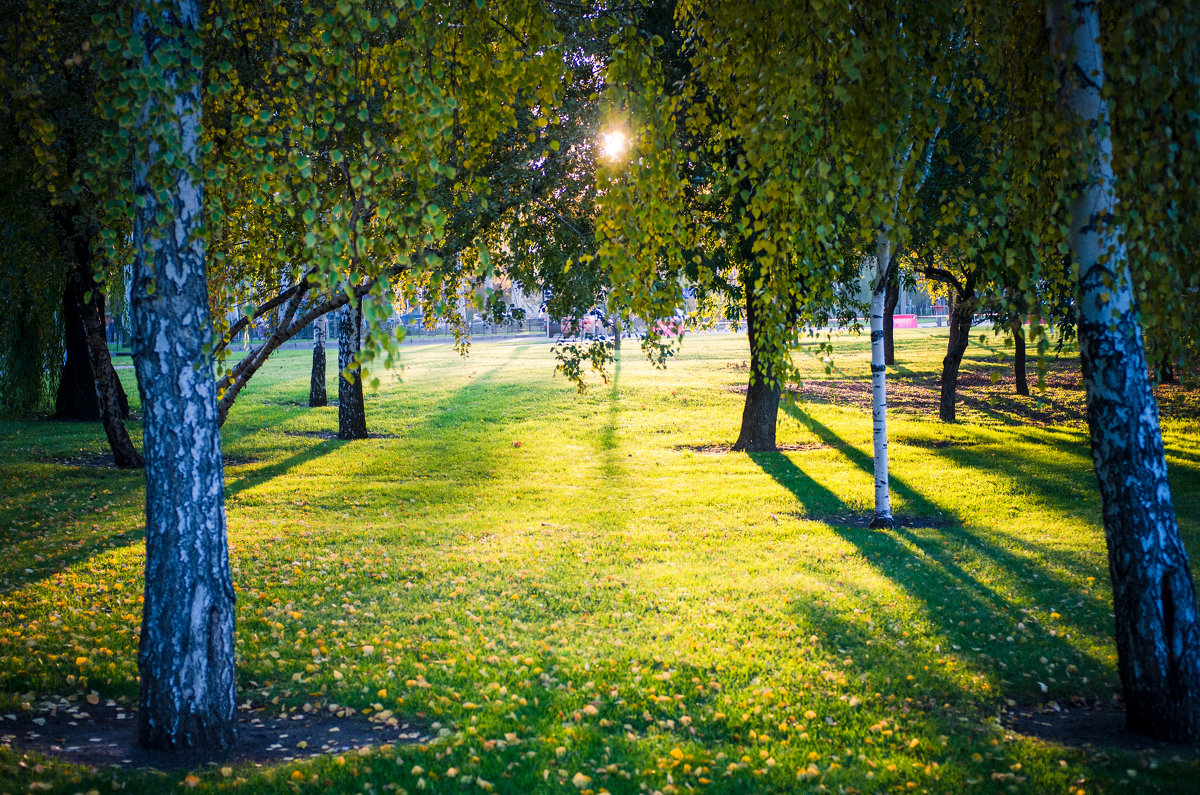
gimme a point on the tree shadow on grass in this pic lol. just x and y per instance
(264, 474)
(611, 466)
(48, 523)
(1057, 496)
(971, 615)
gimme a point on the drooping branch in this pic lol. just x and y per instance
(467, 227)
(944, 276)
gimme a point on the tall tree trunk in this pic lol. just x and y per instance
(760, 413)
(1154, 597)
(106, 384)
(960, 335)
(186, 650)
(76, 397)
(616, 333)
(890, 299)
(883, 500)
(317, 396)
(352, 414)
(1018, 330)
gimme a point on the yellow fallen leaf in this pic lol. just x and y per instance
(191, 780)
(580, 781)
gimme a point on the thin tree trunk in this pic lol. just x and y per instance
(883, 501)
(1154, 597)
(1018, 330)
(760, 413)
(1165, 372)
(119, 390)
(352, 414)
(616, 333)
(889, 314)
(186, 648)
(317, 396)
(106, 384)
(960, 337)
(76, 397)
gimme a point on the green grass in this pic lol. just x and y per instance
(562, 584)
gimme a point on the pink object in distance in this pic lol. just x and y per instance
(904, 321)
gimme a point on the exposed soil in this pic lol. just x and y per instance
(721, 449)
(863, 520)
(333, 435)
(106, 461)
(1083, 725)
(933, 444)
(105, 734)
(987, 393)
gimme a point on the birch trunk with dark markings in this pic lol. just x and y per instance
(1154, 597)
(186, 649)
(317, 396)
(352, 414)
(883, 501)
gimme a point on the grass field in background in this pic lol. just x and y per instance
(584, 593)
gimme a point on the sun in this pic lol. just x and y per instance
(613, 144)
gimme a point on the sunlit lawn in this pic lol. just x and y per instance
(573, 592)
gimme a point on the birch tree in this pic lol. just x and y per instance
(185, 652)
(317, 396)
(1154, 597)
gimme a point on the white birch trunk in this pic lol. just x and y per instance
(883, 500)
(1154, 599)
(186, 646)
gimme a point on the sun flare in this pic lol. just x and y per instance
(613, 144)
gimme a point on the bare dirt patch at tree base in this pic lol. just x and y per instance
(106, 461)
(986, 393)
(333, 435)
(862, 521)
(1083, 725)
(104, 734)
(721, 449)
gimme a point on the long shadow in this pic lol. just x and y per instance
(860, 459)
(611, 466)
(267, 473)
(816, 500)
(48, 524)
(934, 545)
(967, 615)
(1071, 492)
